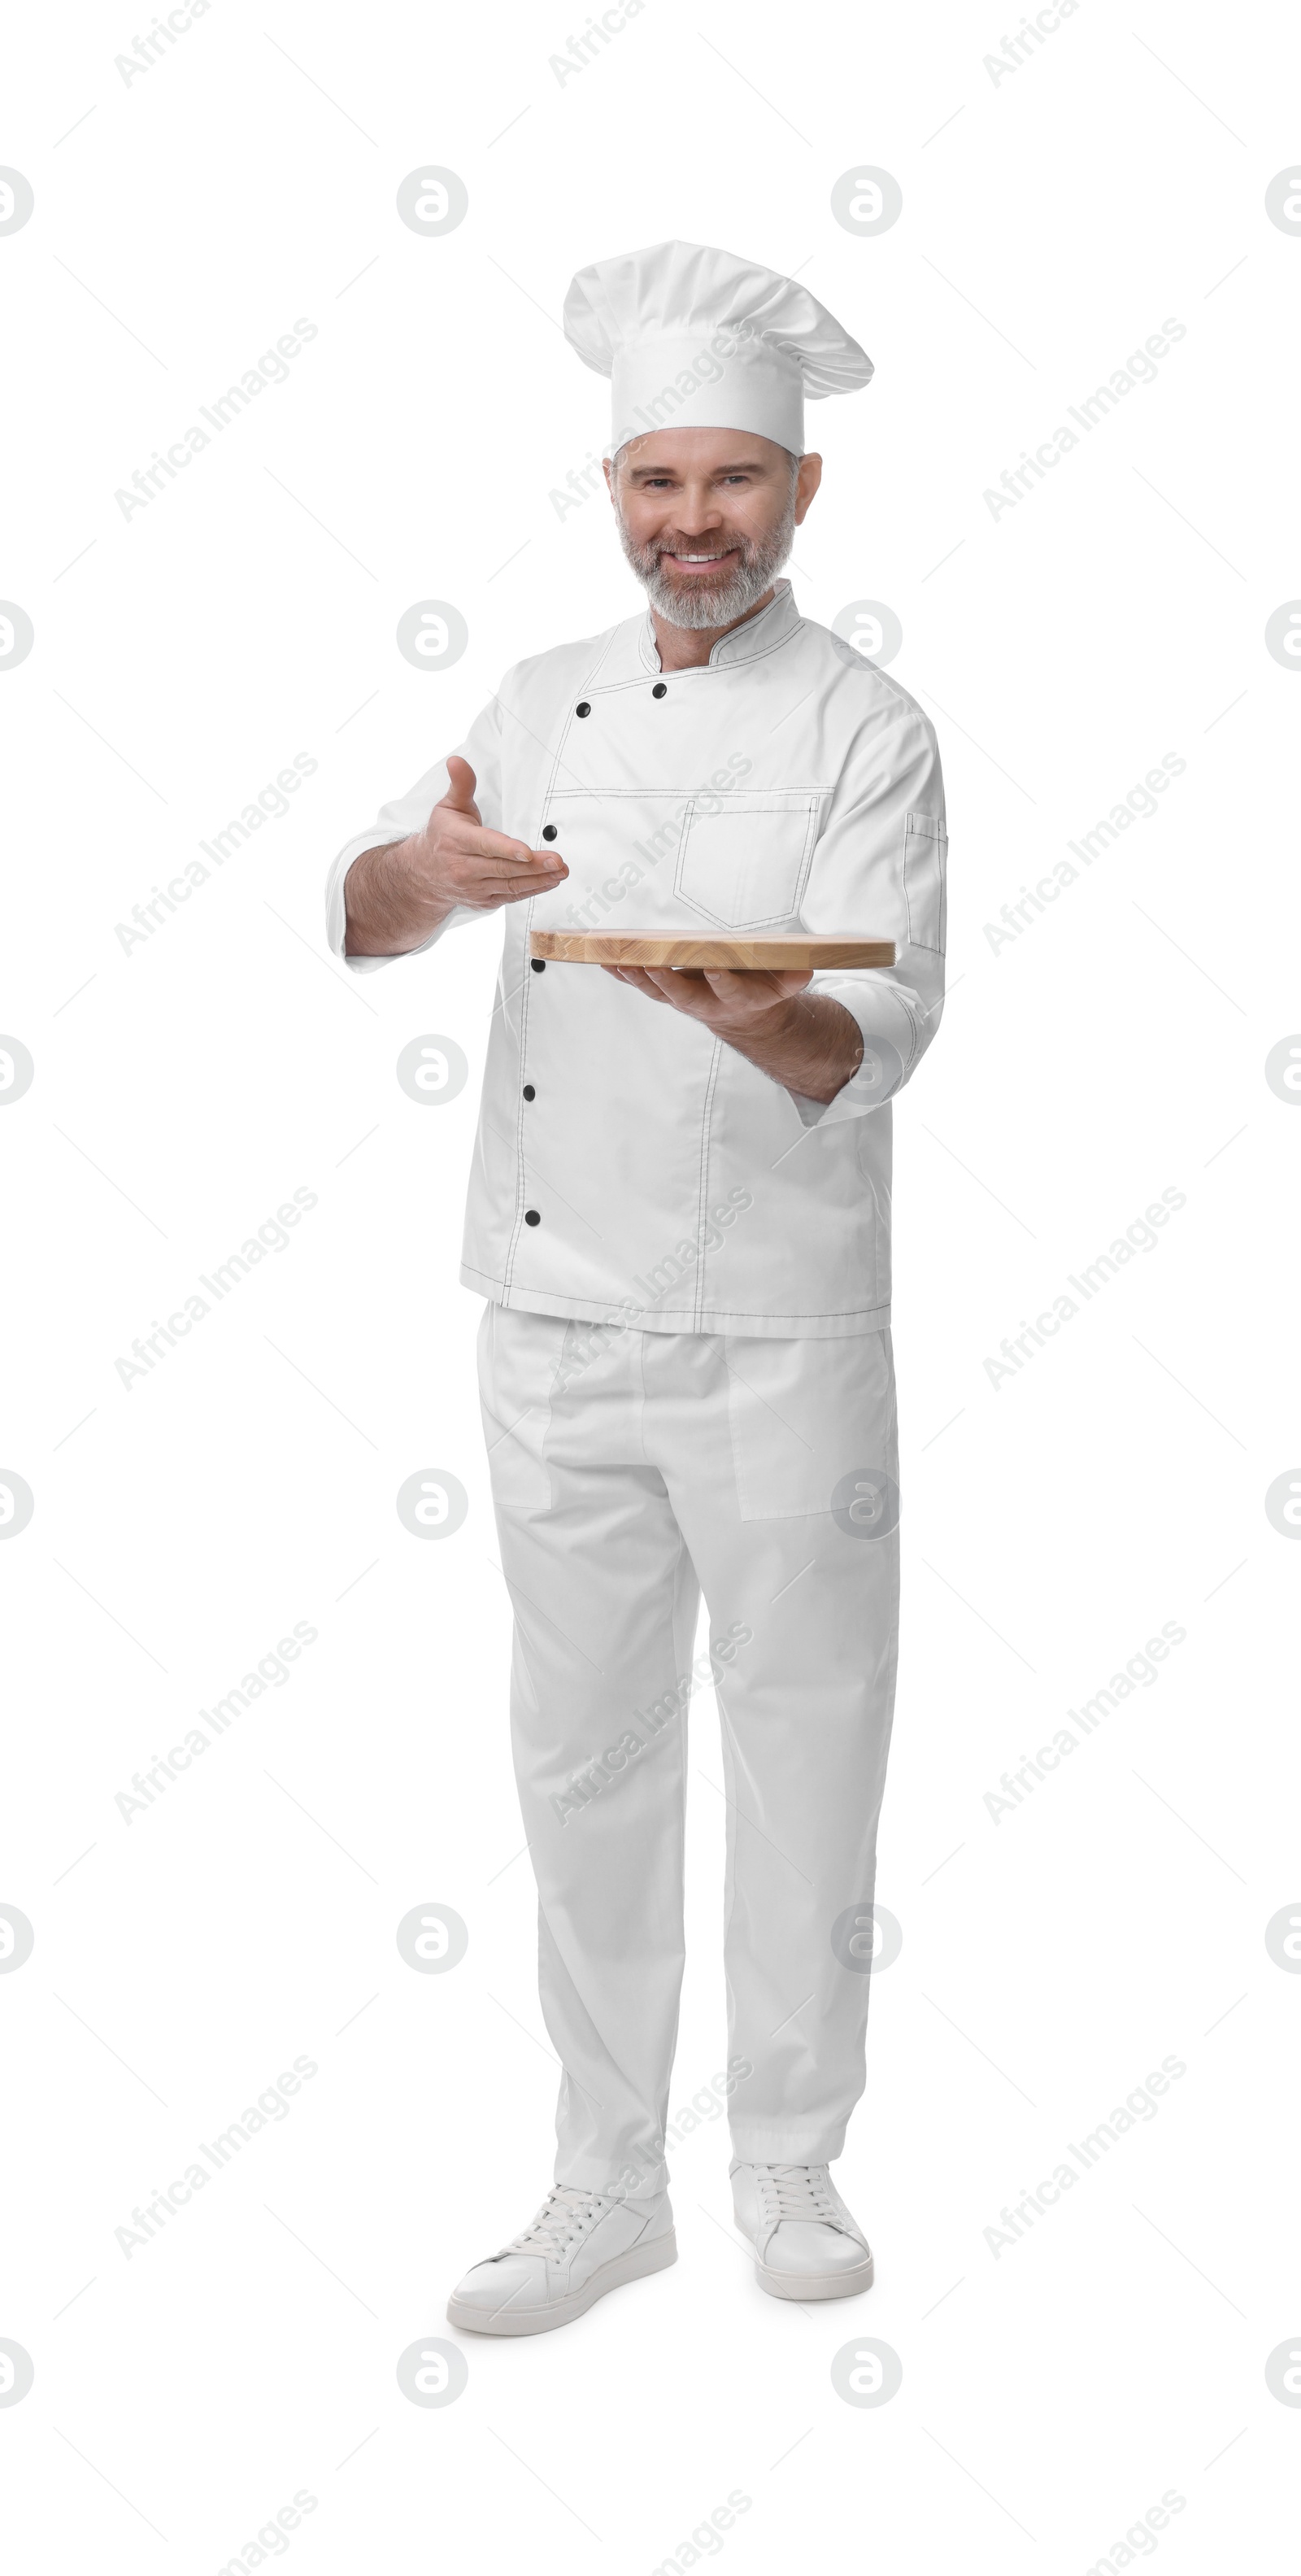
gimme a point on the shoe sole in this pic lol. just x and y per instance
(816, 2285)
(632, 2266)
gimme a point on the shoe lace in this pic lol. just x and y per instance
(565, 2215)
(799, 2191)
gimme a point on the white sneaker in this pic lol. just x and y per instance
(581, 2244)
(806, 2243)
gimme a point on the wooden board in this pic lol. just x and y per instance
(780, 948)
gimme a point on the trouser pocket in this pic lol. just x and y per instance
(813, 1429)
(519, 1362)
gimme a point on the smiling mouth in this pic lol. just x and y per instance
(699, 562)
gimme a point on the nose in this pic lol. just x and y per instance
(697, 511)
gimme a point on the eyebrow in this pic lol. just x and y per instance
(743, 465)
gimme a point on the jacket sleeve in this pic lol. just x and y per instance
(409, 813)
(879, 871)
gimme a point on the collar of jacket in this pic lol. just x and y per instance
(757, 634)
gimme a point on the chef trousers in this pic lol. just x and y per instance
(632, 1470)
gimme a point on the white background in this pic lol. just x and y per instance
(1051, 221)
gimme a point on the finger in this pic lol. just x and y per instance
(684, 988)
(460, 794)
(463, 832)
(504, 885)
(508, 859)
(759, 988)
(640, 980)
(518, 889)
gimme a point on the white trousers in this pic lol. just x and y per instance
(631, 1471)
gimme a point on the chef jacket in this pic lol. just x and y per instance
(629, 1165)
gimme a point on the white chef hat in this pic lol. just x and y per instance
(698, 339)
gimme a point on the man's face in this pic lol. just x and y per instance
(706, 518)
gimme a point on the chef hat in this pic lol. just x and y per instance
(698, 339)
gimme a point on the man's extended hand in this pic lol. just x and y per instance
(397, 895)
(810, 1046)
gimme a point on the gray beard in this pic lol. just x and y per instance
(712, 603)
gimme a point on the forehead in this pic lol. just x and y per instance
(682, 452)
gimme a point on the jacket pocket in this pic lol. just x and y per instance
(925, 852)
(743, 860)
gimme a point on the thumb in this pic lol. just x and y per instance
(460, 793)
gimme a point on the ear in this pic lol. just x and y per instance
(806, 484)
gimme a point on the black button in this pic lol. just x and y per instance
(583, 710)
(531, 1217)
(538, 965)
(529, 1092)
(660, 689)
(548, 831)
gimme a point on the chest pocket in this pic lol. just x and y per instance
(743, 860)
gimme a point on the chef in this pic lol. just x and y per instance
(679, 1218)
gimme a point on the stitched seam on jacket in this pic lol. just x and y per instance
(580, 689)
(719, 670)
(772, 795)
(517, 1222)
(698, 1306)
(763, 1314)
(915, 825)
(508, 1266)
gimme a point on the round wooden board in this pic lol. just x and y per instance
(675, 948)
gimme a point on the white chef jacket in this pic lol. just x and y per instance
(628, 1163)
